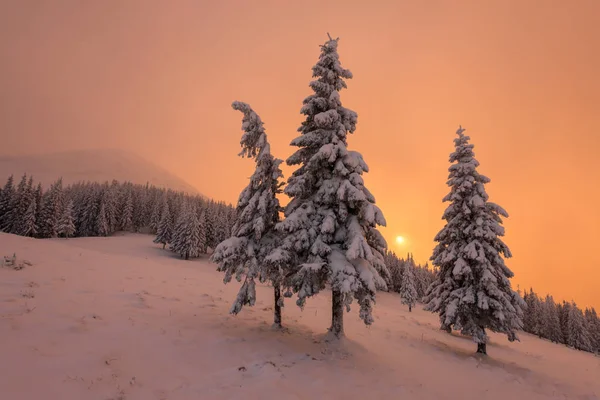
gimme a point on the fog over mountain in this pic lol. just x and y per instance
(96, 165)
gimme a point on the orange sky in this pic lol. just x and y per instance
(521, 76)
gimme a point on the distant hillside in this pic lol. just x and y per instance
(91, 165)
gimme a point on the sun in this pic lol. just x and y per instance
(399, 239)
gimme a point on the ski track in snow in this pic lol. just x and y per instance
(119, 318)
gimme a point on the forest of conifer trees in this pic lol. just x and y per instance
(562, 322)
(189, 224)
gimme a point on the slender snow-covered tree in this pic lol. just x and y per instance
(551, 325)
(157, 208)
(579, 337)
(29, 225)
(210, 229)
(66, 224)
(126, 220)
(186, 241)
(18, 207)
(243, 255)
(6, 201)
(102, 223)
(593, 324)
(39, 203)
(202, 247)
(472, 291)
(408, 292)
(51, 212)
(164, 231)
(564, 310)
(533, 314)
(330, 224)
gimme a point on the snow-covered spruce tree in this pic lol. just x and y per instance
(472, 291)
(579, 337)
(202, 247)
(593, 324)
(331, 221)
(164, 231)
(243, 255)
(50, 214)
(66, 224)
(18, 207)
(533, 316)
(186, 241)
(126, 217)
(209, 223)
(102, 224)
(408, 292)
(29, 224)
(157, 208)
(564, 310)
(6, 200)
(551, 323)
(39, 205)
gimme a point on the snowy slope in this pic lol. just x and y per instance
(120, 318)
(91, 165)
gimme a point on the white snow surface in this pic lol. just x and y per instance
(120, 318)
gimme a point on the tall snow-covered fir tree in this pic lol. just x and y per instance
(243, 255)
(18, 206)
(126, 217)
(157, 208)
(578, 337)
(472, 291)
(202, 246)
(164, 231)
(408, 292)
(66, 224)
(6, 200)
(102, 222)
(593, 324)
(29, 224)
(551, 326)
(52, 210)
(186, 240)
(330, 224)
(533, 315)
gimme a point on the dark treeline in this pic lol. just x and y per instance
(562, 322)
(100, 209)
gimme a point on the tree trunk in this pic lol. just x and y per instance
(481, 348)
(337, 314)
(164, 244)
(409, 308)
(277, 307)
(187, 256)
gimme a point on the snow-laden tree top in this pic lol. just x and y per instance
(331, 219)
(473, 290)
(258, 208)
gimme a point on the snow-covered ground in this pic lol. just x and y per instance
(120, 318)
